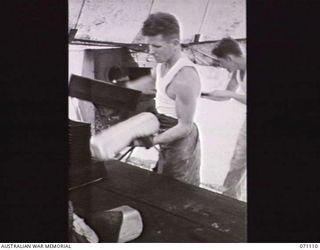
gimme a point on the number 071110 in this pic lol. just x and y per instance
(308, 245)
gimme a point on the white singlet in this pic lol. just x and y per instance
(164, 104)
(242, 81)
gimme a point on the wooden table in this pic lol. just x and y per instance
(171, 211)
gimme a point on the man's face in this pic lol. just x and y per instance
(227, 63)
(160, 48)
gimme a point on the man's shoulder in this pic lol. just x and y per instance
(187, 82)
(189, 70)
(187, 74)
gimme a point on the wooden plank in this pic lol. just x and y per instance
(103, 93)
(194, 204)
(80, 174)
(158, 225)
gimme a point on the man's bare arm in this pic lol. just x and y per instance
(230, 94)
(218, 95)
(186, 87)
(233, 83)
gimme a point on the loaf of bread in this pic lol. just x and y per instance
(105, 145)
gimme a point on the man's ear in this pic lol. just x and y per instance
(232, 58)
(228, 58)
(176, 41)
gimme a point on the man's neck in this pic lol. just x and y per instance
(242, 65)
(168, 64)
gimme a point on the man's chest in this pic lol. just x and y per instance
(168, 82)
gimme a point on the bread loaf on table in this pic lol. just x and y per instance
(120, 224)
(105, 145)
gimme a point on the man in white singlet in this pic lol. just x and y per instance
(230, 56)
(176, 83)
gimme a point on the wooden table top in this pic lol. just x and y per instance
(171, 211)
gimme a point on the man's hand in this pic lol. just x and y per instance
(146, 142)
(218, 95)
(224, 95)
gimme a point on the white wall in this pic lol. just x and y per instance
(219, 124)
(75, 67)
(76, 56)
(80, 63)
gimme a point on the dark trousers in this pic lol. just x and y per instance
(180, 159)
